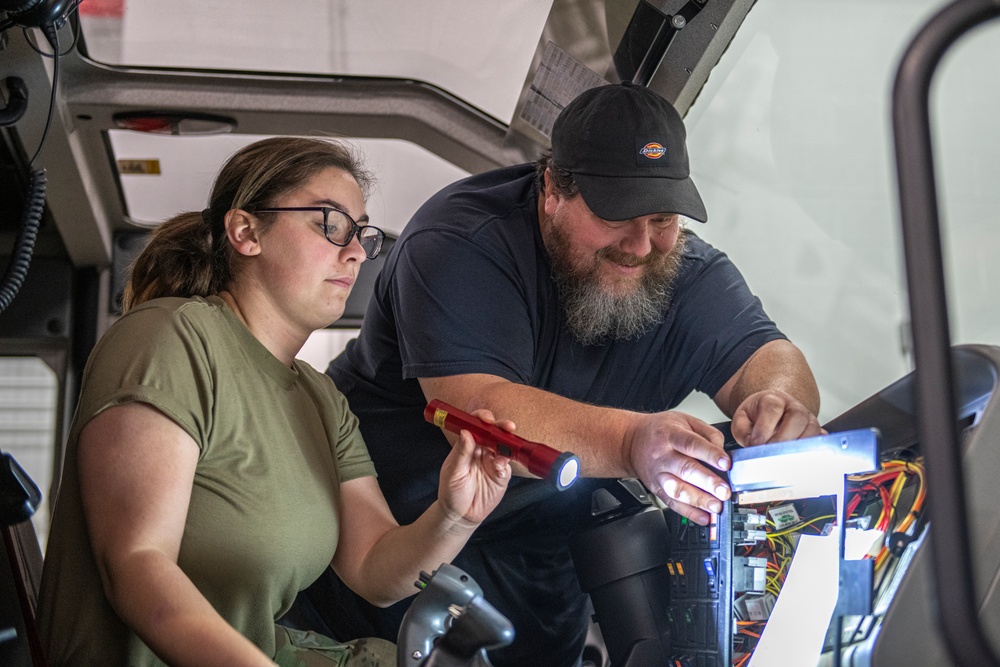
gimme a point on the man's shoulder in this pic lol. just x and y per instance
(703, 267)
(697, 248)
(513, 176)
(499, 193)
(698, 253)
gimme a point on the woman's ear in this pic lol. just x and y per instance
(242, 232)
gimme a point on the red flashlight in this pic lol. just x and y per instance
(560, 468)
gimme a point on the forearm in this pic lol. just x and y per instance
(778, 365)
(160, 603)
(597, 435)
(394, 563)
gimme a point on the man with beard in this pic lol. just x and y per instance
(569, 298)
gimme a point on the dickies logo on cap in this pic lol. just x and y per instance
(653, 151)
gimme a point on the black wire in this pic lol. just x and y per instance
(20, 259)
(53, 35)
(74, 29)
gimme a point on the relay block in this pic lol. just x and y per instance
(699, 615)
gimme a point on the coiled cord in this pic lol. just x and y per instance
(20, 259)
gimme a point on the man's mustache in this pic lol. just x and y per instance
(626, 259)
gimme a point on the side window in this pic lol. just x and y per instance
(324, 345)
(28, 400)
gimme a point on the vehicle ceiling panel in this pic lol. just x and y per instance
(478, 51)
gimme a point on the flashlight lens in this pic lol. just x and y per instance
(569, 472)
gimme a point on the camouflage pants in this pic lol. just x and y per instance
(297, 648)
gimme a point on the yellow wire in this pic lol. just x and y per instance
(800, 526)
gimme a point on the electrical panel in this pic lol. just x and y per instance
(698, 615)
(727, 579)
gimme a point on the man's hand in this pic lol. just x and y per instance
(667, 450)
(773, 416)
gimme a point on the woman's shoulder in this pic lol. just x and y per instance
(160, 311)
(316, 378)
(166, 305)
(158, 321)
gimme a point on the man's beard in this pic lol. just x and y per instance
(594, 314)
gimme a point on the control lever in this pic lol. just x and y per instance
(450, 624)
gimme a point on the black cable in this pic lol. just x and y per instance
(20, 260)
(25, 245)
(75, 29)
(53, 36)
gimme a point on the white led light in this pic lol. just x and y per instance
(569, 473)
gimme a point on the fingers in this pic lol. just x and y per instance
(668, 455)
(501, 466)
(472, 455)
(703, 442)
(674, 488)
(773, 416)
(741, 427)
(690, 499)
(489, 418)
(699, 516)
(794, 425)
(468, 443)
(707, 431)
(473, 479)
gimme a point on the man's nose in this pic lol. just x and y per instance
(636, 240)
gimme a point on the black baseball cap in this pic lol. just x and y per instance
(624, 145)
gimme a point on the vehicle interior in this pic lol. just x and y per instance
(116, 114)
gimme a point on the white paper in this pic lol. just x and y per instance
(795, 632)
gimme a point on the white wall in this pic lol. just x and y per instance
(791, 148)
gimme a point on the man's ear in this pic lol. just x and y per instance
(242, 232)
(550, 199)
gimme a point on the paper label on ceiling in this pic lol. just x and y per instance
(558, 80)
(142, 167)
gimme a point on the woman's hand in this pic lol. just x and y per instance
(379, 559)
(474, 478)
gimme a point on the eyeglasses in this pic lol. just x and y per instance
(339, 228)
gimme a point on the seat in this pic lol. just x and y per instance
(20, 568)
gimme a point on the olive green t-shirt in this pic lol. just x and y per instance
(276, 443)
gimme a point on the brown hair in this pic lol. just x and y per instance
(189, 255)
(562, 180)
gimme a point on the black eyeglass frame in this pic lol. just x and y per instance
(355, 227)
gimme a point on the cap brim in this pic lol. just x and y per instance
(624, 198)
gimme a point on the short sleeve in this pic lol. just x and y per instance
(350, 451)
(720, 322)
(463, 306)
(152, 355)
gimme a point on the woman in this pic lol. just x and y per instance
(210, 476)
